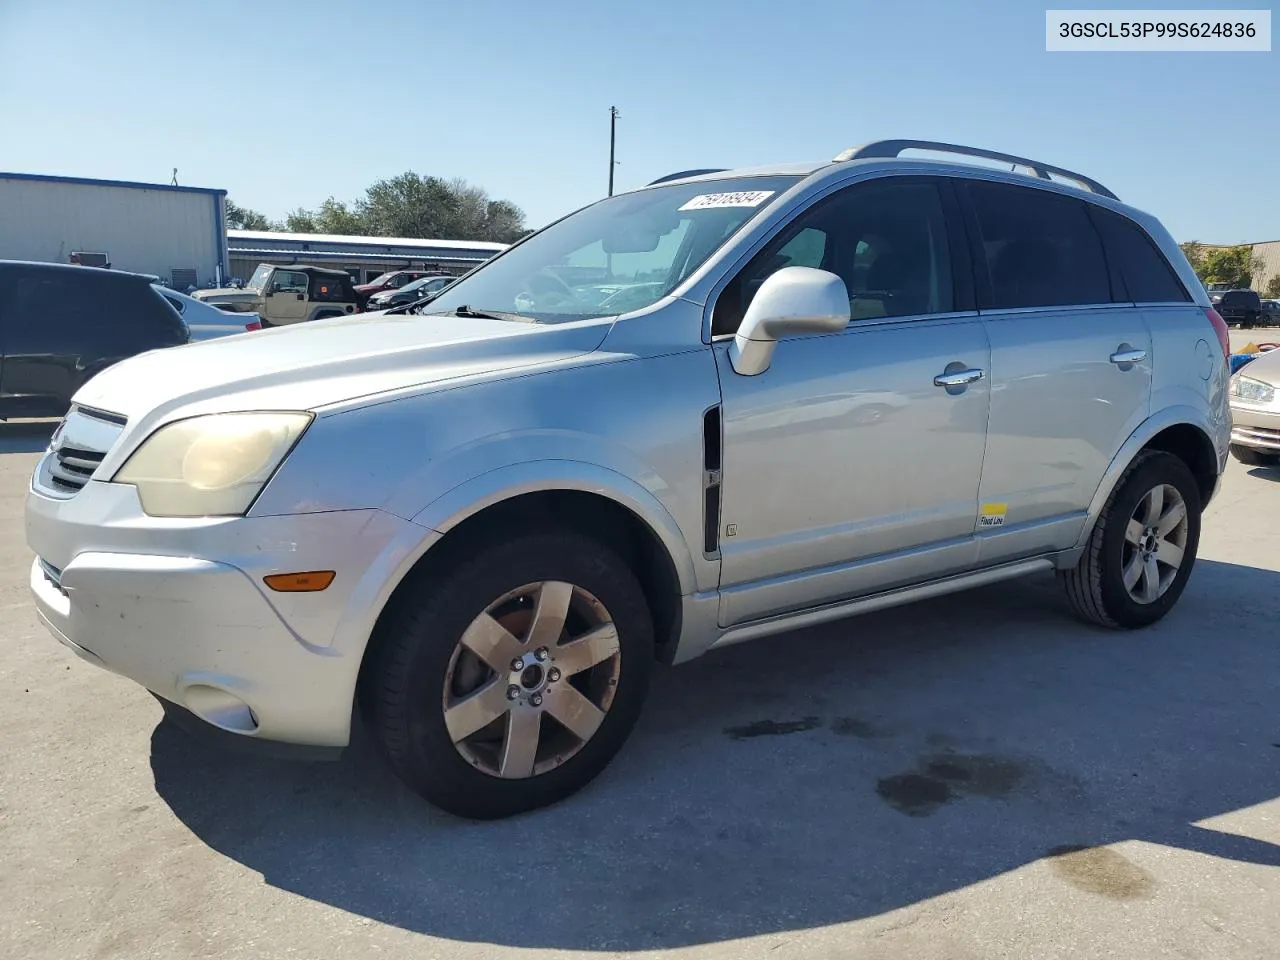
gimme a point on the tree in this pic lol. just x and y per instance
(1273, 287)
(415, 206)
(335, 217)
(243, 218)
(300, 221)
(1194, 252)
(1233, 265)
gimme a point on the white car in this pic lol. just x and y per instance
(206, 322)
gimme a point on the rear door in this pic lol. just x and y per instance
(1070, 365)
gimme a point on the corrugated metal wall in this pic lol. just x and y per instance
(147, 231)
(1269, 254)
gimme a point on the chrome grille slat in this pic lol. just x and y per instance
(78, 447)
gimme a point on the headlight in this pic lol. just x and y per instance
(211, 466)
(1255, 391)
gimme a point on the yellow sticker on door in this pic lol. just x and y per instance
(992, 515)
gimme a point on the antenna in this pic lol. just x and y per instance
(174, 181)
(613, 139)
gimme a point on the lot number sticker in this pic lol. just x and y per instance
(744, 198)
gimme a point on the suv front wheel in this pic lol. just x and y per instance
(1141, 551)
(509, 681)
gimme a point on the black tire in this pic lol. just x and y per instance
(1254, 458)
(403, 681)
(1095, 586)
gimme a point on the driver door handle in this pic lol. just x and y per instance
(959, 378)
(1128, 356)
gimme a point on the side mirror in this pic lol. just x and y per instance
(793, 300)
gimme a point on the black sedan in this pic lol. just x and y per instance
(409, 293)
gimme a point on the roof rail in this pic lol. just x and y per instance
(686, 173)
(883, 149)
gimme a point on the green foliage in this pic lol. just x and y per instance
(410, 205)
(1273, 287)
(1233, 265)
(243, 218)
(1195, 255)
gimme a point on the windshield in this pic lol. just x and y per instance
(382, 278)
(615, 256)
(258, 282)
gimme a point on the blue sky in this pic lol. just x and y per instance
(514, 97)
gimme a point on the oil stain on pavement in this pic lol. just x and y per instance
(1102, 871)
(771, 728)
(942, 778)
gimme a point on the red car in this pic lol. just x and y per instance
(392, 280)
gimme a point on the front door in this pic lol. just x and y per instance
(287, 297)
(1070, 366)
(851, 466)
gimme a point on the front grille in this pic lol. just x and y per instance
(1256, 436)
(53, 575)
(76, 451)
(72, 467)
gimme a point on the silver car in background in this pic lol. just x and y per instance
(206, 322)
(719, 407)
(1255, 411)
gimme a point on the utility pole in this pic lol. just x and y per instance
(613, 140)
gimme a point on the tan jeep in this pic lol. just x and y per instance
(290, 294)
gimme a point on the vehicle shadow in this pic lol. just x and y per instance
(1266, 473)
(810, 779)
(26, 436)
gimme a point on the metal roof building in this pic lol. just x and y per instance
(173, 232)
(362, 257)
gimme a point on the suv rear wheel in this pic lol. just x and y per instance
(511, 681)
(1141, 551)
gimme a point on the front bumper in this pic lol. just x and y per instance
(1255, 427)
(180, 606)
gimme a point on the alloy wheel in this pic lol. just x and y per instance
(531, 679)
(1155, 542)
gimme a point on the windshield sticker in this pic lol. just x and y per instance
(744, 198)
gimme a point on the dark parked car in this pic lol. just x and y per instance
(409, 293)
(391, 280)
(62, 324)
(1271, 313)
(1241, 308)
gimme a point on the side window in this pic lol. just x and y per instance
(289, 281)
(1147, 275)
(57, 308)
(1040, 248)
(887, 240)
(176, 303)
(326, 288)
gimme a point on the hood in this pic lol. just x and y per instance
(226, 295)
(1265, 367)
(324, 362)
(367, 288)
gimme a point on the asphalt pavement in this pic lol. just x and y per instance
(976, 777)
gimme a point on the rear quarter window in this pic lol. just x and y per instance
(1145, 274)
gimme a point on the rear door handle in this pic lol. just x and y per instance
(1128, 356)
(959, 378)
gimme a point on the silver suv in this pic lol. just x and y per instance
(719, 407)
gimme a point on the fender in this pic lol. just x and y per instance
(1167, 417)
(333, 310)
(473, 495)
